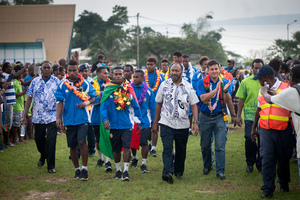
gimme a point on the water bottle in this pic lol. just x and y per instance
(22, 130)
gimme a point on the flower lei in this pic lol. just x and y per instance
(122, 97)
(220, 95)
(157, 80)
(97, 86)
(143, 94)
(166, 75)
(225, 74)
(81, 95)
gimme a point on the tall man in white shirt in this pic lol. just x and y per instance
(174, 98)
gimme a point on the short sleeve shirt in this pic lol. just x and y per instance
(176, 101)
(19, 105)
(44, 102)
(248, 90)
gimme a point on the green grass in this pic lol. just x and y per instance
(20, 178)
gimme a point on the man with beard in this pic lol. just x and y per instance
(174, 98)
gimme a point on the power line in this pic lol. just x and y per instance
(245, 37)
(160, 21)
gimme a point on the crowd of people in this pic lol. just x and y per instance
(121, 109)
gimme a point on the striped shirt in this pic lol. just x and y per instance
(10, 95)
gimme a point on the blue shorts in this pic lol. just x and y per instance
(120, 138)
(76, 133)
(144, 136)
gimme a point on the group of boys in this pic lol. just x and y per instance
(125, 112)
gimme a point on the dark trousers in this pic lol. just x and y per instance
(276, 148)
(45, 139)
(168, 135)
(251, 148)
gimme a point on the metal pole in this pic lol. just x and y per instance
(138, 42)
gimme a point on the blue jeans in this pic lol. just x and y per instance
(251, 148)
(208, 127)
(168, 135)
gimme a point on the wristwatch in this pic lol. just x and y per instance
(195, 122)
(233, 115)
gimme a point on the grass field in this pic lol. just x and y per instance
(21, 178)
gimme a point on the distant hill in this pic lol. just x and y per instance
(261, 20)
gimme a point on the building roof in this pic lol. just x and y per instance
(52, 24)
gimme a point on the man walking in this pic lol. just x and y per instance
(275, 131)
(214, 95)
(153, 78)
(119, 110)
(41, 92)
(146, 101)
(174, 98)
(247, 94)
(74, 96)
(99, 85)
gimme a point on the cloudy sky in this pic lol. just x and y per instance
(179, 12)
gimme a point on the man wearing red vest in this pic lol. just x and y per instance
(275, 134)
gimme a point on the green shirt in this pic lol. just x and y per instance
(248, 90)
(19, 106)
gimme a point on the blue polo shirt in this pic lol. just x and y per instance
(200, 90)
(147, 106)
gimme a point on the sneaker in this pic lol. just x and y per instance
(125, 176)
(168, 178)
(118, 175)
(91, 154)
(108, 167)
(221, 176)
(144, 169)
(77, 174)
(51, 171)
(100, 163)
(11, 144)
(134, 162)
(41, 163)
(153, 153)
(84, 175)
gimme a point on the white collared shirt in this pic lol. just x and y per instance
(176, 103)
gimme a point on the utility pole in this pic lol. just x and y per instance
(138, 42)
(167, 32)
(288, 33)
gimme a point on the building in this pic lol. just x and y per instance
(33, 33)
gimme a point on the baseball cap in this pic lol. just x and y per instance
(82, 67)
(231, 61)
(264, 70)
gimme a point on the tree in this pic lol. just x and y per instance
(25, 2)
(86, 28)
(109, 44)
(90, 25)
(283, 48)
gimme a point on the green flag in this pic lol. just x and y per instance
(104, 143)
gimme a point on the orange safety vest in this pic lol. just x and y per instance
(273, 116)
